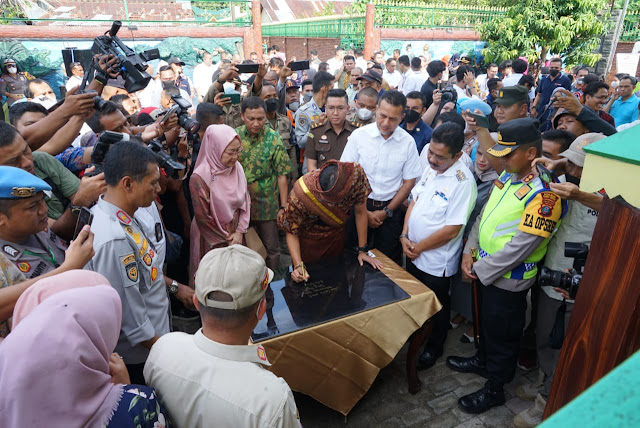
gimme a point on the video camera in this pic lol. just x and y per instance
(568, 281)
(131, 65)
(108, 138)
(185, 121)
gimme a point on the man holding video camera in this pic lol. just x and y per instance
(577, 226)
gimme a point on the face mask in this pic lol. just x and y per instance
(579, 82)
(306, 97)
(615, 84)
(44, 101)
(572, 179)
(229, 88)
(554, 73)
(168, 84)
(272, 104)
(411, 116)
(12, 69)
(364, 114)
(294, 106)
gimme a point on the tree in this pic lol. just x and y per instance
(537, 28)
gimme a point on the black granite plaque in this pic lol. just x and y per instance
(336, 288)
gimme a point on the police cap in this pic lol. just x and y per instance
(515, 133)
(511, 95)
(16, 183)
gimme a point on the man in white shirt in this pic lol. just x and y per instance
(415, 79)
(432, 235)
(404, 67)
(336, 62)
(213, 378)
(203, 75)
(77, 72)
(518, 66)
(360, 61)
(492, 71)
(390, 74)
(389, 157)
(465, 83)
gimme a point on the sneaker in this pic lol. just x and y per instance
(529, 391)
(531, 417)
(527, 360)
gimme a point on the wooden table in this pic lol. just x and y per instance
(336, 362)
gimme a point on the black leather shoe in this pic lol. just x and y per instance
(428, 359)
(482, 400)
(467, 365)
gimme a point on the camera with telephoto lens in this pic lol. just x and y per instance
(185, 121)
(569, 281)
(131, 65)
(448, 95)
(107, 138)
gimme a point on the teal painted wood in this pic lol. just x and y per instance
(613, 401)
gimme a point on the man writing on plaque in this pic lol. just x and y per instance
(317, 211)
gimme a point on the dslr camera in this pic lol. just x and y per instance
(185, 121)
(568, 281)
(448, 95)
(107, 138)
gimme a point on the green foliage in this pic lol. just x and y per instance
(358, 7)
(534, 28)
(328, 10)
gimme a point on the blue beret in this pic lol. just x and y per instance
(16, 183)
(472, 104)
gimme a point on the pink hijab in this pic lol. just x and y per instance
(47, 287)
(54, 366)
(228, 185)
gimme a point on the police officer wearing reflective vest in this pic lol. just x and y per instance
(24, 236)
(126, 256)
(509, 239)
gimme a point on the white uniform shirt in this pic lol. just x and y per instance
(445, 199)
(393, 79)
(334, 65)
(386, 162)
(204, 383)
(424, 161)
(202, 77)
(413, 82)
(73, 82)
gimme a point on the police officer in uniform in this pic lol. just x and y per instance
(13, 83)
(126, 256)
(313, 112)
(509, 238)
(327, 140)
(24, 236)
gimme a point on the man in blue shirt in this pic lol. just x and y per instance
(554, 80)
(624, 108)
(413, 123)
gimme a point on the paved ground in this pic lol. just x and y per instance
(388, 404)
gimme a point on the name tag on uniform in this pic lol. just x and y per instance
(324, 140)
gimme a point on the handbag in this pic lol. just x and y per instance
(254, 242)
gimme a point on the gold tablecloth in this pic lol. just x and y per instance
(336, 363)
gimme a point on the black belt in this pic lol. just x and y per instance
(377, 204)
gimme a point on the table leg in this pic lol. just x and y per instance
(417, 339)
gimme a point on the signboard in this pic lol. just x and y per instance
(627, 63)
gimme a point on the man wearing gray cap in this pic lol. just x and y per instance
(214, 377)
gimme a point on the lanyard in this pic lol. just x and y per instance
(51, 259)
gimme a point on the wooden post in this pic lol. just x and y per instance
(256, 17)
(369, 31)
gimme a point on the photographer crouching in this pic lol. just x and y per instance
(557, 279)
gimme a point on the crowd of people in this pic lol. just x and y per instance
(432, 163)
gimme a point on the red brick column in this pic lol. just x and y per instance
(369, 32)
(256, 17)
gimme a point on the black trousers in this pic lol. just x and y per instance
(502, 319)
(441, 286)
(136, 373)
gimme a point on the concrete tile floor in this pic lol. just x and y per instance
(388, 404)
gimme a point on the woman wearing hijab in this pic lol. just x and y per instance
(219, 194)
(57, 367)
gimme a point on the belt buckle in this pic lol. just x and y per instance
(377, 204)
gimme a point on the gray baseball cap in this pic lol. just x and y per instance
(237, 271)
(575, 153)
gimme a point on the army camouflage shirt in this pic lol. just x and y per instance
(264, 159)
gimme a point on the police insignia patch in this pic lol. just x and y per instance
(123, 217)
(132, 271)
(129, 230)
(12, 252)
(548, 202)
(460, 175)
(147, 259)
(23, 192)
(262, 354)
(24, 267)
(522, 192)
(499, 184)
(151, 252)
(265, 280)
(154, 274)
(528, 178)
(128, 259)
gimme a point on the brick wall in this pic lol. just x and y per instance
(300, 46)
(623, 47)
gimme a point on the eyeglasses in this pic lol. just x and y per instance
(234, 152)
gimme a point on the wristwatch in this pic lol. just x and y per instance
(173, 288)
(363, 249)
(389, 212)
